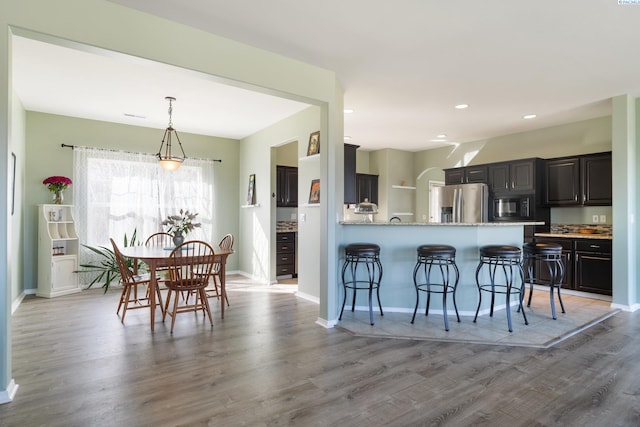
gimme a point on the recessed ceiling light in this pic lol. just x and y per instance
(439, 140)
(347, 137)
(462, 106)
(348, 110)
(529, 116)
(441, 135)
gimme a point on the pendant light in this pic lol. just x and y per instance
(166, 159)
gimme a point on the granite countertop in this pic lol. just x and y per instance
(446, 224)
(572, 231)
(596, 236)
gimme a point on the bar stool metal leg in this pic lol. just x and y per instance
(549, 255)
(442, 256)
(358, 255)
(508, 259)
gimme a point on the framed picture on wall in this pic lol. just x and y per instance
(251, 191)
(314, 192)
(314, 144)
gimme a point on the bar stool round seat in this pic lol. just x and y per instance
(505, 259)
(363, 258)
(442, 257)
(549, 256)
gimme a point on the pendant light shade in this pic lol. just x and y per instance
(168, 161)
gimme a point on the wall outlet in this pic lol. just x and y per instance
(293, 217)
(603, 219)
(595, 219)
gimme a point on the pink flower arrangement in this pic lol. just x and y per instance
(57, 183)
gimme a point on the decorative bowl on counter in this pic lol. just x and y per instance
(587, 230)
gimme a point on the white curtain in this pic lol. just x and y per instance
(116, 193)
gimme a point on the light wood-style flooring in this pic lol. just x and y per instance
(269, 364)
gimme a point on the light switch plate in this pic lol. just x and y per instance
(303, 217)
(603, 219)
(595, 219)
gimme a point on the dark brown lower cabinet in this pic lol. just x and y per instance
(593, 269)
(588, 265)
(286, 254)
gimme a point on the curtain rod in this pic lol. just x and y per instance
(130, 152)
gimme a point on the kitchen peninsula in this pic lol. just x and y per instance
(399, 242)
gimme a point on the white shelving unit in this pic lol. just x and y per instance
(403, 200)
(57, 251)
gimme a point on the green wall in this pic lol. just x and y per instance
(45, 157)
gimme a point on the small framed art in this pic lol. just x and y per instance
(314, 192)
(314, 144)
(251, 191)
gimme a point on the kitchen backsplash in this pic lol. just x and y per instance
(286, 226)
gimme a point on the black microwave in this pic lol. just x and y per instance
(512, 208)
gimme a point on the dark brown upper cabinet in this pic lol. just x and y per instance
(578, 180)
(514, 177)
(466, 175)
(287, 186)
(596, 179)
(350, 173)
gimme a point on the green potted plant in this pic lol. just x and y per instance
(106, 267)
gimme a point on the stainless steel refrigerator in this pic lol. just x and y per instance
(468, 203)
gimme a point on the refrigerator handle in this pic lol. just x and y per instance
(454, 210)
(457, 202)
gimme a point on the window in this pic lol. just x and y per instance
(117, 193)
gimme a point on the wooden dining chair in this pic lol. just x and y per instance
(216, 291)
(190, 265)
(160, 239)
(129, 298)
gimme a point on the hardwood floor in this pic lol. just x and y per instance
(267, 363)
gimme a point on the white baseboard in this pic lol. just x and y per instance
(328, 324)
(308, 297)
(9, 394)
(15, 304)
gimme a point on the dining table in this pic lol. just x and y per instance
(158, 257)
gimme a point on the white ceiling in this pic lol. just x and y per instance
(403, 65)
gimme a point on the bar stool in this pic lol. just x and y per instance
(444, 258)
(549, 255)
(365, 255)
(508, 258)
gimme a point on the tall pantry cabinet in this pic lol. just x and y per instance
(57, 251)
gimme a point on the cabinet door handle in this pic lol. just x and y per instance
(594, 246)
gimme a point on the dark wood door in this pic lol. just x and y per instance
(286, 186)
(596, 179)
(367, 187)
(291, 189)
(476, 174)
(350, 174)
(454, 176)
(562, 182)
(499, 178)
(522, 176)
(593, 272)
